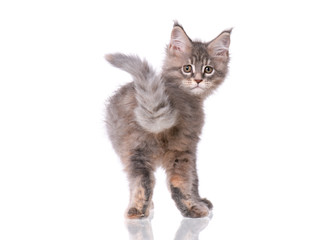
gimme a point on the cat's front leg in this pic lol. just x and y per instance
(183, 184)
(141, 179)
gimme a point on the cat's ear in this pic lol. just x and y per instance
(180, 43)
(219, 47)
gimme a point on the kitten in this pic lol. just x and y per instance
(157, 119)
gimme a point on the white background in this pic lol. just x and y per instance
(267, 155)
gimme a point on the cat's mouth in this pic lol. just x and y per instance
(197, 87)
(197, 90)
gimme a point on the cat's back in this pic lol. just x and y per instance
(120, 113)
(122, 101)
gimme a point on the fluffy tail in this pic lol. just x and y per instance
(154, 112)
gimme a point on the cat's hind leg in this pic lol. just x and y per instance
(141, 180)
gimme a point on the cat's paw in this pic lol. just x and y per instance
(207, 202)
(134, 213)
(197, 210)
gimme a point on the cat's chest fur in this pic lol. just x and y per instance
(185, 134)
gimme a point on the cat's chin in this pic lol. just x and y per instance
(197, 91)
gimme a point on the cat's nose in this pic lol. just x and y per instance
(198, 80)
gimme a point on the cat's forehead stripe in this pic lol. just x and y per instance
(203, 59)
(206, 61)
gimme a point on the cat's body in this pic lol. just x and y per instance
(157, 119)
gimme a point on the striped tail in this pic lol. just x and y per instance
(154, 112)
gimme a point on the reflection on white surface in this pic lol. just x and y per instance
(189, 228)
(140, 229)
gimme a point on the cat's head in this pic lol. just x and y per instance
(198, 68)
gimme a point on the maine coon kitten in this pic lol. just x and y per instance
(157, 119)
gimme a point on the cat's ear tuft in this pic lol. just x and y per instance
(219, 47)
(180, 43)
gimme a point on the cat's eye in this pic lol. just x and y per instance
(208, 70)
(187, 68)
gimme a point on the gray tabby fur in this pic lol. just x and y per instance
(157, 119)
